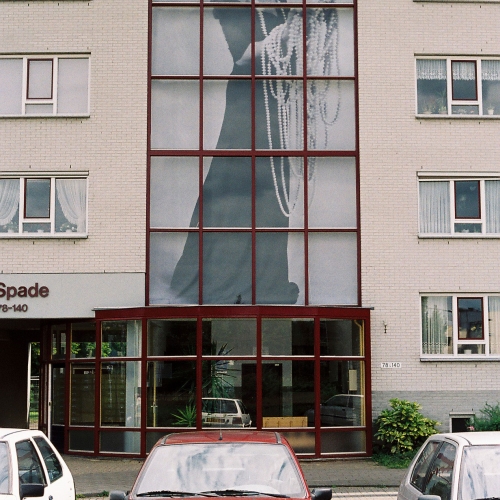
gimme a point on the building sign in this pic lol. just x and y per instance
(68, 295)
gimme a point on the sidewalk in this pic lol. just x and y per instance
(350, 478)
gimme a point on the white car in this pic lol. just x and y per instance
(224, 412)
(31, 467)
(454, 466)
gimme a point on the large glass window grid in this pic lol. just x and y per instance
(224, 359)
(296, 196)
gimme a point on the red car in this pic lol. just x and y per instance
(223, 463)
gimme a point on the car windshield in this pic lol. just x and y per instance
(4, 468)
(230, 469)
(480, 475)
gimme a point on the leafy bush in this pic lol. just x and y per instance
(490, 421)
(403, 428)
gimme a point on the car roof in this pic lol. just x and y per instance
(6, 433)
(473, 438)
(227, 436)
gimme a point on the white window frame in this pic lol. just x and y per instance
(449, 82)
(455, 355)
(55, 73)
(22, 219)
(451, 178)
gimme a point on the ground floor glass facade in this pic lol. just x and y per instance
(151, 371)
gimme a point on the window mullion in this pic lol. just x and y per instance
(55, 72)
(24, 92)
(452, 206)
(52, 204)
(22, 203)
(454, 308)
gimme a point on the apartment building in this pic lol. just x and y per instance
(216, 213)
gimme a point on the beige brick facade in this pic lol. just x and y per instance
(110, 144)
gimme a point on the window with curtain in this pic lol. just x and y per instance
(32, 85)
(448, 86)
(460, 326)
(459, 207)
(36, 206)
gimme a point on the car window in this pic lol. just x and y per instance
(422, 465)
(480, 475)
(440, 479)
(4, 469)
(30, 468)
(52, 464)
(229, 407)
(242, 407)
(196, 468)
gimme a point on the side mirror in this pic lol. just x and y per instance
(322, 494)
(31, 490)
(117, 495)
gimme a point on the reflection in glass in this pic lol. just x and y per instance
(490, 76)
(332, 193)
(58, 395)
(37, 198)
(174, 114)
(58, 333)
(230, 379)
(73, 85)
(225, 279)
(179, 30)
(121, 338)
(301, 442)
(166, 250)
(40, 79)
(467, 204)
(11, 97)
(470, 318)
(224, 337)
(228, 203)
(341, 337)
(121, 394)
(437, 325)
(173, 191)
(83, 343)
(343, 442)
(342, 394)
(284, 337)
(171, 394)
(120, 442)
(333, 273)
(288, 391)
(82, 397)
(80, 440)
(172, 337)
(272, 284)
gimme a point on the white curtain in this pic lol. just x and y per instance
(9, 200)
(490, 70)
(431, 69)
(494, 324)
(492, 194)
(436, 325)
(464, 70)
(434, 207)
(72, 196)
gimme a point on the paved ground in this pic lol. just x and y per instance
(354, 479)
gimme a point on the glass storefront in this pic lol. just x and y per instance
(298, 370)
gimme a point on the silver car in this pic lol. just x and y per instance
(454, 466)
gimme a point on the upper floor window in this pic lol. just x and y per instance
(461, 325)
(44, 86)
(465, 207)
(466, 86)
(43, 206)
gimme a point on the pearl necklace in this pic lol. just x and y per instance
(282, 55)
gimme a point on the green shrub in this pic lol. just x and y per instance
(490, 421)
(403, 428)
